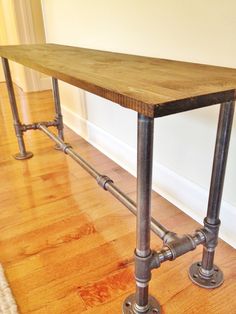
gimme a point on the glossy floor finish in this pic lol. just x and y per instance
(67, 246)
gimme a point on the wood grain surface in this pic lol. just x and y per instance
(153, 87)
(67, 245)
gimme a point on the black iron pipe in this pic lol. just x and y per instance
(176, 245)
(35, 125)
(220, 159)
(156, 227)
(212, 221)
(143, 225)
(84, 164)
(15, 114)
(57, 104)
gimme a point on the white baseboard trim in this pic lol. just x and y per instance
(192, 199)
(186, 195)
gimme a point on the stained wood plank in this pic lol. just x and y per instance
(151, 86)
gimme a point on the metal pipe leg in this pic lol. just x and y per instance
(23, 154)
(205, 273)
(141, 302)
(57, 103)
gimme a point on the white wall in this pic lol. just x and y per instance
(2, 35)
(21, 22)
(198, 31)
(10, 36)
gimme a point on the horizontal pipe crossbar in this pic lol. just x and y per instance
(103, 181)
(35, 126)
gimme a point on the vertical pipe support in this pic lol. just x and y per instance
(205, 273)
(23, 154)
(141, 302)
(57, 104)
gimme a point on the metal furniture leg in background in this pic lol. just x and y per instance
(23, 154)
(141, 302)
(205, 273)
(57, 103)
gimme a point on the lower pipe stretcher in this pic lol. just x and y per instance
(105, 182)
(170, 239)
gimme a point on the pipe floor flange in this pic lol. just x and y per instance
(129, 306)
(28, 155)
(214, 281)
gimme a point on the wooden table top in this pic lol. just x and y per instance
(153, 87)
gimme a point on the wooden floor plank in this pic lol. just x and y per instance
(67, 246)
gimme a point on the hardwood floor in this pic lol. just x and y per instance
(67, 246)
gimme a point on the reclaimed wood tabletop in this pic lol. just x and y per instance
(151, 86)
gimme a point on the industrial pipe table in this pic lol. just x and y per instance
(153, 88)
